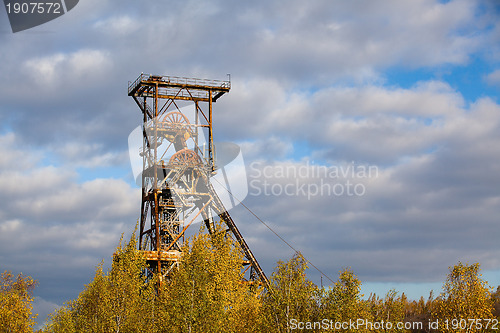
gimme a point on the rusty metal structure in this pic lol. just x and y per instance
(178, 163)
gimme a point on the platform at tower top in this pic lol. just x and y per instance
(196, 86)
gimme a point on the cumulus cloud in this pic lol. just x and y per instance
(271, 148)
(434, 191)
(121, 25)
(43, 308)
(89, 155)
(56, 223)
(347, 123)
(494, 78)
(52, 72)
(270, 51)
(309, 86)
(408, 223)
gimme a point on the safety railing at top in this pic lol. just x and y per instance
(178, 80)
(133, 85)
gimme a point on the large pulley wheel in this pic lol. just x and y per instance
(176, 121)
(185, 157)
(177, 128)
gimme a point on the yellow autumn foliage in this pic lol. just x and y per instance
(465, 304)
(16, 303)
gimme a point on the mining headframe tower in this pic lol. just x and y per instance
(178, 164)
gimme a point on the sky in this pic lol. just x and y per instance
(369, 132)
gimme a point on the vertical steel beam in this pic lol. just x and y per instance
(182, 192)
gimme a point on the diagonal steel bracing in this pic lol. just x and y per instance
(177, 166)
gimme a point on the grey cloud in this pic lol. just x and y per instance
(493, 78)
(441, 202)
(54, 228)
(269, 39)
(302, 72)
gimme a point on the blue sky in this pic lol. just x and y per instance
(408, 87)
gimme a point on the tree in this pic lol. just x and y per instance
(343, 302)
(291, 297)
(391, 309)
(206, 293)
(496, 303)
(131, 296)
(16, 303)
(118, 301)
(465, 297)
(421, 312)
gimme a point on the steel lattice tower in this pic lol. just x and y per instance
(176, 189)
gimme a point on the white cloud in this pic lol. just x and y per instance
(425, 99)
(54, 71)
(410, 224)
(12, 157)
(88, 155)
(44, 70)
(325, 40)
(52, 225)
(437, 185)
(348, 123)
(271, 148)
(306, 72)
(43, 308)
(10, 226)
(121, 25)
(493, 78)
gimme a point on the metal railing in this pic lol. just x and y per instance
(178, 80)
(133, 85)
